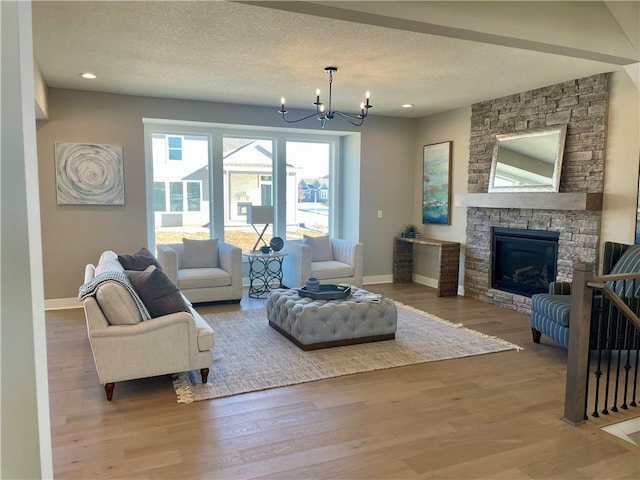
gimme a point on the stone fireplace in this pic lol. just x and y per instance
(580, 104)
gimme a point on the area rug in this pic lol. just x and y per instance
(249, 355)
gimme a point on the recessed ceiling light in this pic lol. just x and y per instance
(88, 75)
(407, 105)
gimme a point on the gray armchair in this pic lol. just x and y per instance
(205, 277)
(329, 260)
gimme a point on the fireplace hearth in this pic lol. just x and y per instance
(523, 261)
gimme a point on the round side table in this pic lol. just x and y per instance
(265, 272)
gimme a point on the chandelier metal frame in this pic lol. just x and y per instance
(323, 114)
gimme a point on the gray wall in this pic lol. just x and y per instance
(76, 235)
(450, 126)
(389, 177)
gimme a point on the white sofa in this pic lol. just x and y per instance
(342, 261)
(204, 283)
(125, 347)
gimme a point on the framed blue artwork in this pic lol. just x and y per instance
(436, 183)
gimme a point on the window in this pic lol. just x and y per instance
(176, 196)
(159, 197)
(180, 188)
(193, 196)
(174, 148)
(310, 212)
(248, 168)
(223, 170)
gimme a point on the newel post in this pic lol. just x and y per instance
(578, 355)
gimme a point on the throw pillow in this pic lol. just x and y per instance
(320, 248)
(158, 293)
(117, 305)
(200, 253)
(139, 261)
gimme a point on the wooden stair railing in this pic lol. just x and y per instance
(584, 286)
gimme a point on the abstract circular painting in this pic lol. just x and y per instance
(89, 174)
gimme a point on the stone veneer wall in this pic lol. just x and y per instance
(582, 105)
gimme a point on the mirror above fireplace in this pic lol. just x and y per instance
(528, 161)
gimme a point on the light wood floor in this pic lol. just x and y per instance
(490, 416)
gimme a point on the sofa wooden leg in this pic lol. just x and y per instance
(108, 388)
(204, 372)
(536, 335)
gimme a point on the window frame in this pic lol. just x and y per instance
(215, 134)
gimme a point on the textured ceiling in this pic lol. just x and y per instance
(435, 55)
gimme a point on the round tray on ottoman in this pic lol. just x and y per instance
(312, 324)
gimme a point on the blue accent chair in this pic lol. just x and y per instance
(550, 312)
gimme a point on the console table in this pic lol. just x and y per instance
(449, 253)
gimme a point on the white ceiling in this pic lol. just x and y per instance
(436, 55)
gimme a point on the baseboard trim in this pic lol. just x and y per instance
(68, 303)
(62, 303)
(374, 279)
(423, 280)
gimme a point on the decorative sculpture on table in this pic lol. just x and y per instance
(259, 215)
(276, 244)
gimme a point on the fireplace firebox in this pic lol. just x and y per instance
(523, 261)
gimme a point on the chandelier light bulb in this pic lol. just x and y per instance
(367, 95)
(322, 108)
(282, 100)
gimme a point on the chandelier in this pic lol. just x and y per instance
(323, 113)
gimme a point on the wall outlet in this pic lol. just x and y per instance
(379, 213)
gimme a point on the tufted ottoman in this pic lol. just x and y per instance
(313, 324)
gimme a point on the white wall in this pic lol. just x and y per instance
(623, 157)
(40, 88)
(25, 443)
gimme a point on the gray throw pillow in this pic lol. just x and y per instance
(158, 293)
(200, 253)
(139, 261)
(320, 248)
